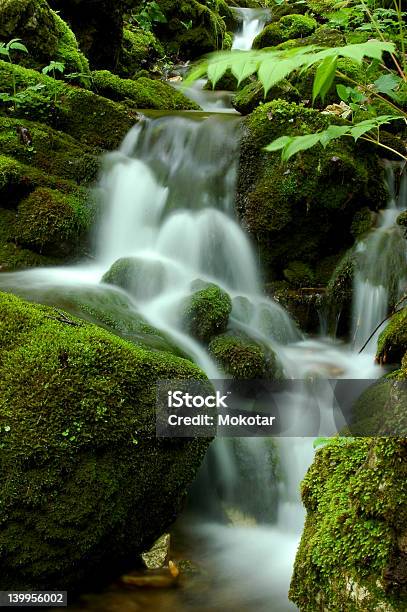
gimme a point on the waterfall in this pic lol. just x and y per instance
(381, 267)
(252, 22)
(167, 200)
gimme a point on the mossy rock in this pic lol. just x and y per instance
(392, 343)
(143, 92)
(139, 50)
(75, 111)
(205, 34)
(402, 221)
(206, 312)
(287, 28)
(12, 256)
(246, 100)
(339, 294)
(302, 209)
(363, 222)
(52, 223)
(142, 278)
(323, 36)
(243, 358)
(352, 551)
(49, 150)
(299, 274)
(87, 486)
(322, 8)
(43, 32)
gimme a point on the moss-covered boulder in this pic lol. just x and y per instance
(392, 343)
(46, 36)
(143, 278)
(192, 28)
(299, 274)
(85, 483)
(52, 223)
(353, 549)
(246, 100)
(143, 92)
(339, 294)
(288, 27)
(139, 50)
(53, 152)
(302, 209)
(206, 312)
(243, 358)
(75, 111)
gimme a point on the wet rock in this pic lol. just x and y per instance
(206, 312)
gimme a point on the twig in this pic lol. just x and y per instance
(393, 312)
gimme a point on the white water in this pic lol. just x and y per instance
(252, 23)
(381, 276)
(168, 200)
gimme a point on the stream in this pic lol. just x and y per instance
(167, 198)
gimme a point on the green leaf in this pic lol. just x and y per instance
(386, 83)
(278, 143)
(217, 70)
(343, 92)
(243, 67)
(324, 77)
(271, 73)
(17, 46)
(300, 143)
(4, 51)
(334, 131)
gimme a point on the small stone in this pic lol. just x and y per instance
(157, 556)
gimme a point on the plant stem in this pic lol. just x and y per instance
(371, 92)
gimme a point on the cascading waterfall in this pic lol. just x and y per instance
(168, 202)
(381, 267)
(252, 22)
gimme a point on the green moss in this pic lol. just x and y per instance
(246, 100)
(206, 33)
(362, 223)
(322, 7)
(351, 552)
(242, 358)
(52, 223)
(299, 274)
(392, 343)
(323, 36)
(206, 312)
(143, 92)
(287, 28)
(302, 209)
(142, 278)
(68, 51)
(87, 486)
(77, 112)
(50, 151)
(339, 293)
(139, 49)
(44, 33)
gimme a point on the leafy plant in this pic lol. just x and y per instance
(149, 13)
(6, 50)
(271, 66)
(54, 67)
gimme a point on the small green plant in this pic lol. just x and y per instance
(6, 50)
(54, 67)
(187, 24)
(149, 13)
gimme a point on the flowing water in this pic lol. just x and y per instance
(252, 22)
(167, 200)
(381, 275)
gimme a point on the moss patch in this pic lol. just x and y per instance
(392, 343)
(143, 92)
(242, 358)
(206, 312)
